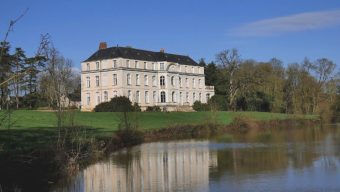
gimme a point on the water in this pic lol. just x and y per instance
(304, 159)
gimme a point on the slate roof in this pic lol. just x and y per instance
(138, 54)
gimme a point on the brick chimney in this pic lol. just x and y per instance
(102, 45)
(162, 50)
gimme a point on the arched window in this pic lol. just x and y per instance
(115, 79)
(180, 81)
(162, 81)
(172, 80)
(194, 97)
(173, 96)
(200, 97)
(187, 97)
(199, 83)
(137, 79)
(106, 96)
(128, 77)
(129, 95)
(154, 97)
(180, 97)
(146, 80)
(193, 83)
(154, 82)
(163, 100)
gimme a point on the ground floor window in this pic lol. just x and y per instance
(163, 100)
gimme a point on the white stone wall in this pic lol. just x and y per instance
(191, 88)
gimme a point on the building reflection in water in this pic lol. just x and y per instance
(171, 166)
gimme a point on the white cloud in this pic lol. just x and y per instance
(292, 23)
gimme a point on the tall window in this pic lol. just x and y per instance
(193, 97)
(146, 80)
(163, 97)
(193, 83)
(208, 97)
(146, 97)
(98, 98)
(88, 66)
(180, 97)
(137, 79)
(137, 96)
(114, 93)
(153, 66)
(200, 97)
(192, 69)
(114, 64)
(97, 81)
(88, 99)
(128, 79)
(129, 95)
(173, 96)
(180, 82)
(199, 83)
(97, 65)
(187, 82)
(145, 65)
(172, 80)
(154, 82)
(136, 64)
(162, 81)
(154, 97)
(128, 63)
(161, 66)
(106, 96)
(187, 97)
(114, 79)
(88, 82)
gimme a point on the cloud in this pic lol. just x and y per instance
(292, 23)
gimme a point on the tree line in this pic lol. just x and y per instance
(308, 87)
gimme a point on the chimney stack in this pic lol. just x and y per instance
(102, 45)
(162, 50)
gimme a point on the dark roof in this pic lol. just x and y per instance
(138, 54)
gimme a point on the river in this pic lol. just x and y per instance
(291, 159)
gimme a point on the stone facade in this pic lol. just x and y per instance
(171, 85)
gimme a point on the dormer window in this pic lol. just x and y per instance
(114, 64)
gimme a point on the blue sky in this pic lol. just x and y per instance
(261, 29)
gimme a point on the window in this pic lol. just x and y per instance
(136, 64)
(154, 83)
(192, 69)
(193, 97)
(161, 66)
(185, 69)
(193, 83)
(137, 79)
(97, 65)
(173, 96)
(180, 97)
(200, 97)
(180, 82)
(187, 82)
(88, 66)
(128, 78)
(154, 98)
(199, 83)
(98, 98)
(145, 65)
(153, 66)
(208, 97)
(146, 97)
(114, 79)
(114, 64)
(97, 81)
(187, 97)
(128, 63)
(146, 80)
(137, 96)
(114, 93)
(88, 82)
(88, 99)
(172, 80)
(162, 81)
(106, 96)
(129, 95)
(163, 97)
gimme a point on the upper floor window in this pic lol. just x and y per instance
(146, 80)
(145, 65)
(97, 65)
(114, 79)
(192, 69)
(136, 64)
(106, 96)
(187, 82)
(128, 63)
(199, 83)
(193, 83)
(137, 79)
(172, 80)
(114, 64)
(180, 81)
(163, 99)
(128, 79)
(162, 81)
(153, 66)
(88, 82)
(88, 66)
(97, 81)
(161, 66)
(154, 83)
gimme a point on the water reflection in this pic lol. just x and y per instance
(282, 160)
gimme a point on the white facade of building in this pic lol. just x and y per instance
(172, 86)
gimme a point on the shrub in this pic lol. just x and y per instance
(153, 109)
(218, 102)
(117, 104)
(198, 106)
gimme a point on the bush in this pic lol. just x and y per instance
(153, 109)
(218, 102)
(198, 106)
(117, 104)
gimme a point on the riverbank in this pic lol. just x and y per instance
(32, 157)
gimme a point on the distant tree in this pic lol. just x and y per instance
(211, 74)
(201, 62)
